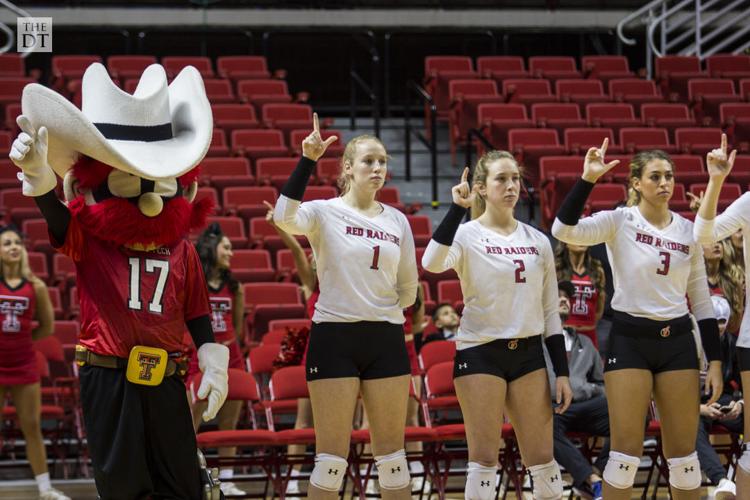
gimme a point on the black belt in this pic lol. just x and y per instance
(86, 357)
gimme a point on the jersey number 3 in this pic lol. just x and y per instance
(152, 265)
(664, 269)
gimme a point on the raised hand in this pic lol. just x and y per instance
(462, 194)
(594, 166)
(314, 146)
(695, 201)
(269, 214)
(29, 153)
(718, 163)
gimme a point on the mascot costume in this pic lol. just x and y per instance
(129, 179)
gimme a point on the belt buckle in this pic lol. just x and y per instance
(80, 348)
(666, 331)
(513, 344)
(147, 365)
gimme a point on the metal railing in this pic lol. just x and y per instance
(426, 99)
(8, 31)
(690, 27)
(371, 90)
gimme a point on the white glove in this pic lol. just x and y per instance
(29, 153)
(213, 360)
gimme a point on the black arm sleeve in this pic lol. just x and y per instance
(558, 356)
(56, 214)
(297, 182)
(447, 229)
(572, 207)
(200, 330)
(709, 328)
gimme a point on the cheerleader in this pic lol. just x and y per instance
(507, 273)
(709, 228)
(367, 273)
(655, 264)
(24, 299)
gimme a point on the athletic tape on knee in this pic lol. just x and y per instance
(481, 481)
(547, 481)
(393, 470)
(685, 472)
(329, 471)
(620, 470)
(744, 460)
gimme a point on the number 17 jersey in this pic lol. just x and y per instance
(130, 297)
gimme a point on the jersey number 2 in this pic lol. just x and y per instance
(665, 257)
(152, 265)
(520, 267)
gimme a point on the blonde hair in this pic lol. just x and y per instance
(479, 176)
(344, 181)
(637, 164)
(732, 279)
(25, 268)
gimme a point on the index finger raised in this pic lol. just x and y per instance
(465, 175)
(316, 123)
(605, 145)
(724, 143)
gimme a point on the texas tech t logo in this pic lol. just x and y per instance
(11, 309)
(220, 306)
(147, 362)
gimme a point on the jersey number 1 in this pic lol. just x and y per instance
(152, 265)
(375, 257)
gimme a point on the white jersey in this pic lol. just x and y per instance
(734, 218)
(508, 282)
(652, 268)
(366, 266)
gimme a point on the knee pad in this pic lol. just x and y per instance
(393, 470)
(620, 470)
(744, 460)
(329, 471)
(547, 481)
(481, 481)
(685, 472)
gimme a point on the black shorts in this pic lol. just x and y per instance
(364, 349)
(657, 346)
(743, 358)
(508, 359)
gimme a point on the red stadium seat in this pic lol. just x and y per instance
(263, 234)
(450, 291)
(219, 90)
(673, 73)
(63, 269)
(558, 174)
(319, 193)
(11, 89)
(335, 150)
(294, 323)
(579, 140)
(327, 170)
(706, 95)
(36, 235)
(438, 351)
(268, 301)
(390, 196)
(9, 175)
(730, 191)
(431, 280)
(741, 170)
(611, 115)
(273, 335)
(275, 171)
(465, 96)
(38, 265)
(527, 91)
(208, 192)
(735, 118)
(553, 67)
(18, 206)
(438, 72)
(234, 116)
(256, 144)
(287, 117)
(606, 196)
(174, 64)
(635, 91)
(679, 201)
(242, 67)
(606, 68)
(12, 111)
(125, 67)
(733, 66)
(580, 92)
(639, 139)
(500, 68)
(287, 385)
(286, 268)
(260, 358)
(670, 116)
(12, 65)
(247, 201)
(66, 68)
(219, 145)
(226, 172)
(260, 92)
(558, 116)
(495, 120)
(56, 298)
(252, 265)
(67, 332)
(745, 88)
(689, 169)
(528, 145)
(421, 228)
(697, 141)
(232, 227)
(440, 393)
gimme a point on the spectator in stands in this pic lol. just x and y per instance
(725, 279)
(657, 267)
(24, 299)
(727, 411)
(574, 263)
(709, 228)
(445, 318)
(227, 302)
(366, 263)
(508, 279)
(588, 411)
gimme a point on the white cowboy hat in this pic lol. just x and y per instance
(160, 131)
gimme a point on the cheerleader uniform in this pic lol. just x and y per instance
(652, 271)
(367, 274)
(510, 295)
(582, 315)
(17, 355)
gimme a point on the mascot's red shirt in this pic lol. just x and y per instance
(131, 297)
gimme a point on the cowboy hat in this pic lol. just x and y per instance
(160, 131)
